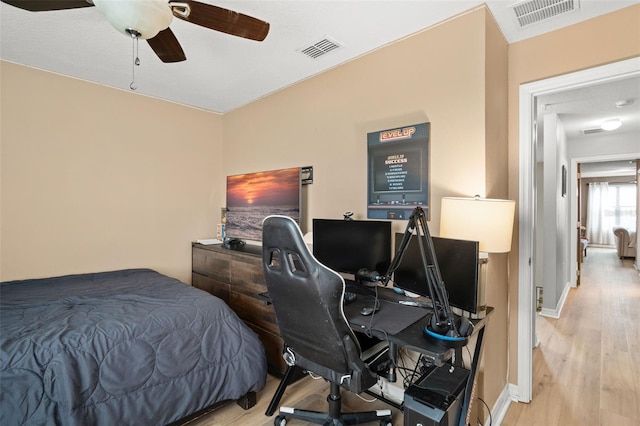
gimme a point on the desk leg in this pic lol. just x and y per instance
(280, 391)
(471, 380)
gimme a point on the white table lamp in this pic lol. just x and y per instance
(488, 221)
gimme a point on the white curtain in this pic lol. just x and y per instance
(600, 214)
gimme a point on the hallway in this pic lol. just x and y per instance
(586, 369)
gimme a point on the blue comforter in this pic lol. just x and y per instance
(118, 348)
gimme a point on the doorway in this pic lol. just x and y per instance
(529, 94)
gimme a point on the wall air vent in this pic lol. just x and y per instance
(531, 11)
(319, 48)
(592, 131)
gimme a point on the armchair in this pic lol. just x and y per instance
(626, 242)
(307, 298)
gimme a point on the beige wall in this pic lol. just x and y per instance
(98, 179)
(609, 38)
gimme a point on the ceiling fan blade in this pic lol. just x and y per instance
(45, 5)
(223, 20)
(167, 47)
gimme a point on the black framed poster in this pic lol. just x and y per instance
(398, 170)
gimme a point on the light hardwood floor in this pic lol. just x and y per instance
(586, 368)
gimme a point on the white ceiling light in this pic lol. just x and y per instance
(144, 17)
(611, 124)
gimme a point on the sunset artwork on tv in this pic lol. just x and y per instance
(252, 197)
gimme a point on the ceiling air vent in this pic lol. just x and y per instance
(319, 48)
(592, 131)
(531, 11)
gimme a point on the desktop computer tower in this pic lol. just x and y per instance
(436, 398)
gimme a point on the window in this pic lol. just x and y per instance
(610, 205)
(622, 204)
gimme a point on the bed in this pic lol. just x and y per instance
(118, 348)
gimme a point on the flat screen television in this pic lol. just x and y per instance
(350, 245)
(458, 264)
(253, 196)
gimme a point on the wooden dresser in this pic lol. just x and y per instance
(237, 278)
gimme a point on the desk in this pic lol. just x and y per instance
(411, 337)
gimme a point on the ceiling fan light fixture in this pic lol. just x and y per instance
(611, 124)
(147, 17)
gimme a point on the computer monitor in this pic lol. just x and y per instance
(350, 245)
(458, 264)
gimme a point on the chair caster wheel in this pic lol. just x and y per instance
(280, 421)
(386, 423)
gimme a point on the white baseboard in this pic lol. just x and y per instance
(513, 392)
(555, 313)
(501, 406)
(552, 313)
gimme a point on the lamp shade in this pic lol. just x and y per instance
(147, 17)
(488, 221)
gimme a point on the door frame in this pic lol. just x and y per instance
(526, 201)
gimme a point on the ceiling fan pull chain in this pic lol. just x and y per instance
(135, 36)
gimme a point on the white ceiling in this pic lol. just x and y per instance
(223, 72)
(585, 108)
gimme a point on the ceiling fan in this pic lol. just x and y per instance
(150, 19)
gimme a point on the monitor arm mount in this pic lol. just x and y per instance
(442, 324)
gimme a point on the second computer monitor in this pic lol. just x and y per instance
(458, 264)
(350, 245)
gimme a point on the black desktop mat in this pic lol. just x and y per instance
(392, 317)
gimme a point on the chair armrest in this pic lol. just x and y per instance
(362, 378)
(378, 358)
(622, 237)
